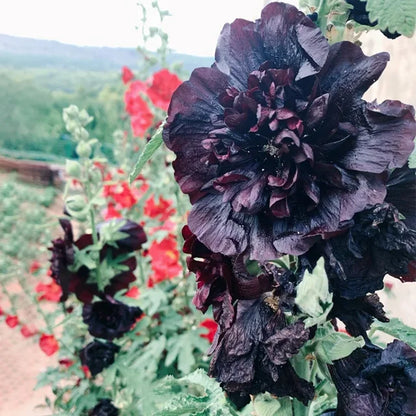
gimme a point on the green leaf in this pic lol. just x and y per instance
(396, 16)
(412, 158)
(313, 297)
(397, 329)
(154, 143)
(329, 345)
(266, 405)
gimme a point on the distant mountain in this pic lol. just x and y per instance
(19, 53)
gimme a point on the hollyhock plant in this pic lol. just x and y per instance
(98, 355)
(275, 145)
(109, 319)
(252, 356)
(79, 281)
(377, 382)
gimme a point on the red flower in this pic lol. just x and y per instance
(212, 326)
(136, 106)
(133, 292)
(111, 212)
(27, 332)
(165, 259)
(66, 362)
(121, 193)
(163, 84)
(86, 371)
(126, 74)
(51, 291)
(12, 321)
(34, 266)
(1, 311)
(161, 210)
(48, 344)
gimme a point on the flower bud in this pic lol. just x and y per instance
(83, 149)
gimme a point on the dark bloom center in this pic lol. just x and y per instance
(267, 151)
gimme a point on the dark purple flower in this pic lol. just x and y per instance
(109, 320)
(62, 257)
(221, 280)
(274, 144)
(375, 382)
(104, 408)
(252, 356)
(98, 355)
(401, 192)
(358, 314)
(76, 282)
(378, 243)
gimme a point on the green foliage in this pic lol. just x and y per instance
(154, 143)
(266, 405)
(313, 297)
(193, 395)
(396, 329)
(396, 16)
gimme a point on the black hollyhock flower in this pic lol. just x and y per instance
(252, 356)
(377, 244)
(375, 382)
(359, 14)
(109, 320)
(104, 408)
(358, 314)
(221, 280)
(62, 257)
(274, 144)
(98, 355)
(401, 192)
(76, 282)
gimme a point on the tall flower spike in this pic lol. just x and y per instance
(275, 146)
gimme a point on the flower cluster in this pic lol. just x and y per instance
(74, 272)
(158, 88)
(280, 155)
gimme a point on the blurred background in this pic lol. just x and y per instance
(54, 53)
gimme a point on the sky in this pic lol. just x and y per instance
(193, 27)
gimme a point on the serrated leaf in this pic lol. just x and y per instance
(154, 143)
(313, 297)
(397, 329)
(267, 405)
(396, 16)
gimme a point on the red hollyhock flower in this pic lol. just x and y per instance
(1, 311)
(28, 332)
(161, 210)
(51, 291)
(126, 74)
(34, 266)
(111, 212)
(48, 344)
(212, 326)
(137, 108)
(133, 292)
(121, 193)
(163, 84)
(12, 321)
(165, 259)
